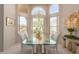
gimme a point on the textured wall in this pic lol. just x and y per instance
(9, 31)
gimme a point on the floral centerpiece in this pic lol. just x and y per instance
(38, 34)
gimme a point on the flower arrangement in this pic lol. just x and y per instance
(38, 34)
(73, 22)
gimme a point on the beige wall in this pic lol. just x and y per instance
(65, 11)
(9, 31)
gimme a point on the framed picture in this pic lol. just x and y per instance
(9, 21)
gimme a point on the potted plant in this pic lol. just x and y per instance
(72, 23)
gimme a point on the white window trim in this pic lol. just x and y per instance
(56, 15)
(19, 22)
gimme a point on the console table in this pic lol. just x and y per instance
(71, 44)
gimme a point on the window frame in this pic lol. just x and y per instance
(33, 9)
(19, 22)
(43, 15)
(56, 14)
(34, 26)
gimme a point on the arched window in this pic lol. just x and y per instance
(38, 10)
(38, 20)
(54, 11)
(22, 22)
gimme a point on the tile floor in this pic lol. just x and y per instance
(16, 49)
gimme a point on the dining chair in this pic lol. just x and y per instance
(53, 43)
(26, 47)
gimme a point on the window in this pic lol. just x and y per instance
(53, 25)
(38, 25)
(39, 10)
(22, 21)
(38, 20)
(54, 10)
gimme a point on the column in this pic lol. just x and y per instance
(47, 23)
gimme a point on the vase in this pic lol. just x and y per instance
(69, 45)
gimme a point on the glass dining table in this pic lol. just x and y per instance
(38, 46)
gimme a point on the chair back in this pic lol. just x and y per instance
(23, 35)
(57, 38)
